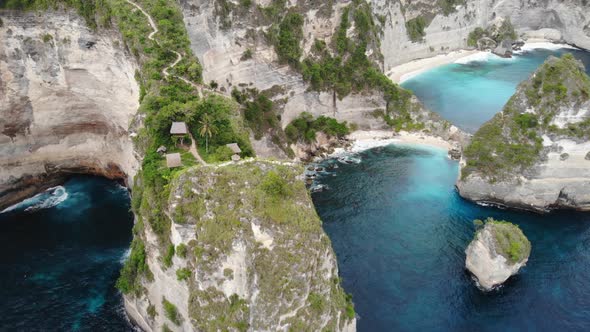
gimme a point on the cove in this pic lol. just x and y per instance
(470, 93)
(60, 255)
(400, 230)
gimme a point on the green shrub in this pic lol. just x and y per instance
(171, 312)
(510, 240)
(305, 127)
(415, 28)
(474, 36)
(275, 186)
(246, 55)
(316, 302)
(183, 274)
(181, 250)
(169, 255)
(135, 267)
(47, 38)
(151, 310)
(449, 6)
(526, 120)
(290, 34)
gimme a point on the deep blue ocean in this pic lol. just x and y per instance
(469, 94)
(400, 230)
(60, 255)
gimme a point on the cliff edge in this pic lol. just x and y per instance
(535, 154)
(242, 249)
(67, 97)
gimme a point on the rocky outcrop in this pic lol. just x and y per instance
(252, 251)
(67, 97)
(497, 252)
(532, 155)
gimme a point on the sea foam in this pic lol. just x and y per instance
(45, 200)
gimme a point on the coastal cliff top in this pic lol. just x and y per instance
(252, 225)
(552, 103)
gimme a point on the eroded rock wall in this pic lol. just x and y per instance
(67, 97)
(256, 255)
(567, 21)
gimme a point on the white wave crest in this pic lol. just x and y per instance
(547, 46)
(45, 200)
(476, 57)
(125, 256)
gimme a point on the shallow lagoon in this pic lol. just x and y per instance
(469, 93)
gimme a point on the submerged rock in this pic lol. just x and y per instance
(497, 252)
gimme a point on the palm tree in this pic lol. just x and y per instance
(207, 130)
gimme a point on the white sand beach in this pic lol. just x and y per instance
(368, 139)
(406, 71)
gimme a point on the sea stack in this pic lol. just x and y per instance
(497, 252)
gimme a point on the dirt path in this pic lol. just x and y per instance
(166, 73)
(193, 150)
(200, 87)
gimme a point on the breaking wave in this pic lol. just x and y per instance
(45, 200)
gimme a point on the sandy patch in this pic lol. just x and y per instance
(406, 71)
(368, 139)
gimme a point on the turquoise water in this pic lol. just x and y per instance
(470, 94)
(60, 255)
(399, 230)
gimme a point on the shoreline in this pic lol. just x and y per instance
(363, 140)
(405, 71)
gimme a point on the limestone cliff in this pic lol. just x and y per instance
(552, 19)
(233, 41)
(246, 252)
(534, 154)
(67, 96)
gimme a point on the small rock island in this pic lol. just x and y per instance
(497, 252)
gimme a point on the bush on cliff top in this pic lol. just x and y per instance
(510, 240)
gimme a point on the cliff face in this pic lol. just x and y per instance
(250, 255)
(234, 44)
(535, 153)
(220, 47)
(556, 20)
(67, 96)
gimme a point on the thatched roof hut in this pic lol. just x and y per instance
(234, 147)
(178, 128)
(173, 160)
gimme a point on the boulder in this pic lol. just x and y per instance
(455, 153)
(504, 49)
(497, 252)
